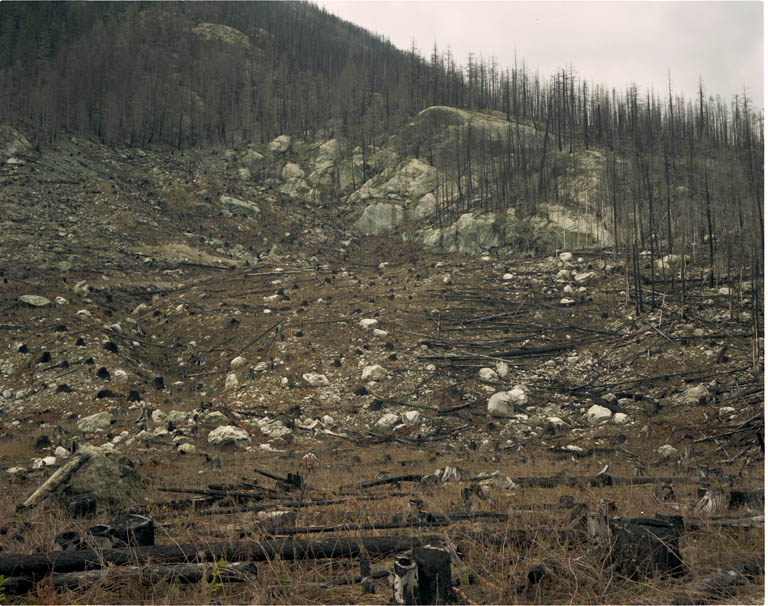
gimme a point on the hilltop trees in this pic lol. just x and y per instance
(682, 177)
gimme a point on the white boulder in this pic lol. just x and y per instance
(228, 434)
(374, 373)
(237, 362)
(598, 414)
(231, 381)
(95, 423)
(316, 379)
(388, 420)
(412, 417)
(488, 375)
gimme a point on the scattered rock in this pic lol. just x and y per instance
(667, 451)
(231, 381)
(694, 396)
(488, 375)
(598, 414)
(412, 418)
(621, 419)
(34, 300)
(227, 435)
(95, 423)
(388, 420)
(374, 373)
(315, 379)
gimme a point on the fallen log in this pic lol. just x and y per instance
(287, 549)
(236, 572)
(58, 478)
(392, 480)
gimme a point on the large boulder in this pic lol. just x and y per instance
(414, 179)
(34, 300)
(380, 218)
(598, 414)
(500, 405)
(108, 478)
(374, 373)
(292, 171)
(325, 163)
(95, 423)
(472, 234)
(280, 145)
(229, 436)
(240, 207)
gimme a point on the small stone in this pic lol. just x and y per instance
(120, 376)
(388, 420)
(488, 375)
(237, 362)
(725, 411)
(518, 396)
(61, 301)
(584, 278)
(412, 417)
(667, 451)
(696, 395)
(566, 302)
(565, 257)
(502, 369)
(368, 323)
(315, 379)
(620, 418)
(61, 452)
(377, 332)
(231, 381)
(507, 277)
(34, 300)
(374, 373)
(186, 448)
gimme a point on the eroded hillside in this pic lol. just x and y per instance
(206, 318)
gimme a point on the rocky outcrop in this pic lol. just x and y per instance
(474, 233)
(12, 143)
(408, 182)
(380, 218)
(221, 33)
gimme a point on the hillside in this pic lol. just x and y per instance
(524, 329)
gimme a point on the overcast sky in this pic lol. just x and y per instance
(608, 42)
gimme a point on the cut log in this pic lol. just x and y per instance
(639, 548)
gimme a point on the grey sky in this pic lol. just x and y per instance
(613, 43)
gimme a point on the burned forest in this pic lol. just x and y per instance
(291, 316)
